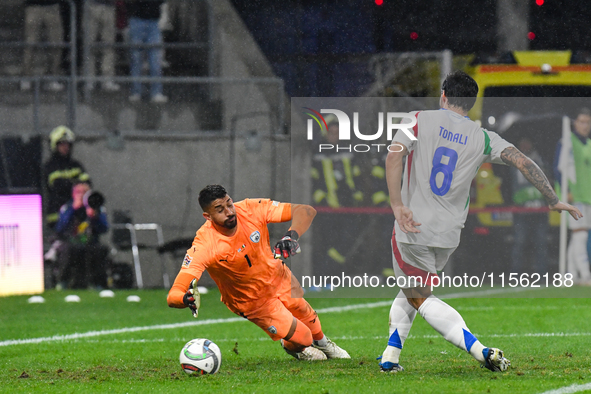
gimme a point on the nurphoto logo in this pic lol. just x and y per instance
(344, 129)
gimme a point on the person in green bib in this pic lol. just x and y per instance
(577, 168)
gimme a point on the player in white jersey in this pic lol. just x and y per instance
(432, 206)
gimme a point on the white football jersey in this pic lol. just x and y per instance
(449, 150)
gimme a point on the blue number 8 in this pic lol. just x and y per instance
(446, 169)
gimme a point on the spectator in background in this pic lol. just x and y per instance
(66, 13)
(60, 172)
(37, 14)
(576, 166)
(533, 226)
(165, 25)
(99, 17)
(181, 16)
(121, 31)
(81, 257)
(143, 29)
(121, 16)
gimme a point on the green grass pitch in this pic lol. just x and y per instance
(546, 339)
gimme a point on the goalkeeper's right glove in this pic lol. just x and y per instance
(192, 299)
(288, 245)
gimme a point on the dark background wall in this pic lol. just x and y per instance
(321, 48)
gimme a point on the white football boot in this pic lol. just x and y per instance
(332, 350)
(308, 354)
(494, 360)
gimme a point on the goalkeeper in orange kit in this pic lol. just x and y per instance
(233, 246)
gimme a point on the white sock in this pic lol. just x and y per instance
(476, 351)
(449, 323)
(322, 342)
(578, 259)
(402, 314)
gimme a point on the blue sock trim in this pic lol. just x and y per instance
(485, 352)
(469, 339)
(395, 340)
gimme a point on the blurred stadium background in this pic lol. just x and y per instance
(232, 67)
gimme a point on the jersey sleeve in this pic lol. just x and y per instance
(494, 145)
(196, 260)
(403, 138)
(271, 211)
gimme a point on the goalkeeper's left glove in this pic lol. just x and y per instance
(192, 299)
(288, 245)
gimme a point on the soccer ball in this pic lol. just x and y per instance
(200, 356)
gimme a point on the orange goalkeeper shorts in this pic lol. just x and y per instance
(275, 315)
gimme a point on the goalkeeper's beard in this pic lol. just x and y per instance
(231, 222)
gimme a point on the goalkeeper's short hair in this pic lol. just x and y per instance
(209, 194)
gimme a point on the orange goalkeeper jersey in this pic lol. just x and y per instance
(243, 265)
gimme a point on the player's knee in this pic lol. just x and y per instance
(416, 302)
(417, 295)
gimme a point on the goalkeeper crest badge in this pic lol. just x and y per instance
(272, 330)
(187, 260)
(255, 237)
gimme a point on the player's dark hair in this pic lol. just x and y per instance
(584, 111)
(79, 181)
(209, 194)
(460, 89)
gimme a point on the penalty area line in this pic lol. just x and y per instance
(334, 309)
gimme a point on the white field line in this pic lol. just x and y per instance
(575, 388)
(118, 331)
(334, 309)
(355, 338)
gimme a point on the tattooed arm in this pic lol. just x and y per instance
(513, 157)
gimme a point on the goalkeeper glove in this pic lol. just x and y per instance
(288, 245)
(192, 299)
